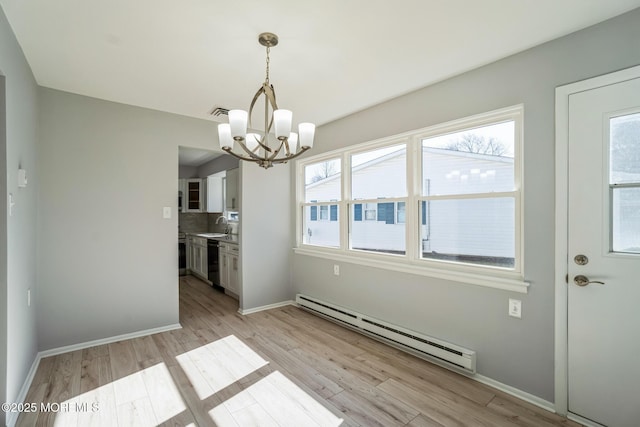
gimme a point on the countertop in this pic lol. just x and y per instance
(229, 238)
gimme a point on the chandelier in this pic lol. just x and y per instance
(257, 147)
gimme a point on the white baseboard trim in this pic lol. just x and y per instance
(82, 346)
(266, 307)
(12, 417)
(522, 395)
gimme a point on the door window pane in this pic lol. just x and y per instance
(471, 161)
(625, 149)
(626, 220)
(475, 231)
(624, 171)
(379, 173)
(322, 181)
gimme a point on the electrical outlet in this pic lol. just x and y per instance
(336, 269)
(515, 308)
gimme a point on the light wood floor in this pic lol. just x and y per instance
(282, 367)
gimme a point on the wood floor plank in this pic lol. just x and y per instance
(146, 351)
(96, 372)
(444, 410)
(283, 366)
(168, 348)
(525, 414)
(429, 379)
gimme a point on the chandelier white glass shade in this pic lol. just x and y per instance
(257, 147)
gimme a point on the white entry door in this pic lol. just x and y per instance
(604, 254)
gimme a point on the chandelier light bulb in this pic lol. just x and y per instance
(306, 132)
(238, 123)
(293, 142)
(224, 135)
(282, 122)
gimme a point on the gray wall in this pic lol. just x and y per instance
(265, 235)
(219, 164)
(17, 233)
(517, 352)
(108, 261)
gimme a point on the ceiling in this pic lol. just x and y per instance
(335, 57)
(195, 157)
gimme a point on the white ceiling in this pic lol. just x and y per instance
(335, 57)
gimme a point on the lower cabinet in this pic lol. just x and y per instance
(197, 257)
(229, 268)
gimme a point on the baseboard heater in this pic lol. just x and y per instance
(450, 355)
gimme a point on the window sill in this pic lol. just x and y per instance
(489, 281)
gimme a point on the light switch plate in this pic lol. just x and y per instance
(166, 212)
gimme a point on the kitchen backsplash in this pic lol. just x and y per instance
(200, 222)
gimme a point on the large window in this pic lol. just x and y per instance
(468, 188)
(444, 198)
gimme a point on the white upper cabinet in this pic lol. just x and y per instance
(215, 193)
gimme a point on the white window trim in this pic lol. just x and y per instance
(493, 277)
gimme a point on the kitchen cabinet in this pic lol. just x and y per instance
(215, 194)
(197, 256)
(194, 194)
(232, 185)
(229, 268)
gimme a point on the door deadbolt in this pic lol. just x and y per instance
(581, 259)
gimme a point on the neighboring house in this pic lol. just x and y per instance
(444, 227)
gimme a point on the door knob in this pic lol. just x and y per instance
(581, 280)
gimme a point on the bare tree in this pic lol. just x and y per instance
(324, 170)
(472, 143)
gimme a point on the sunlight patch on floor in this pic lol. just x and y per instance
(273, 401)
(145, 398)
(150, 397)
(217, 365)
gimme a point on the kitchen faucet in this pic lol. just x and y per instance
(225, 221)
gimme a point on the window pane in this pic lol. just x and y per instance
(379, 235)
(625, 149)
(322, 181)
(401, 212)
(319, 231)
(626, 220)
(379, 173)
(476, 160)
(476, 231)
